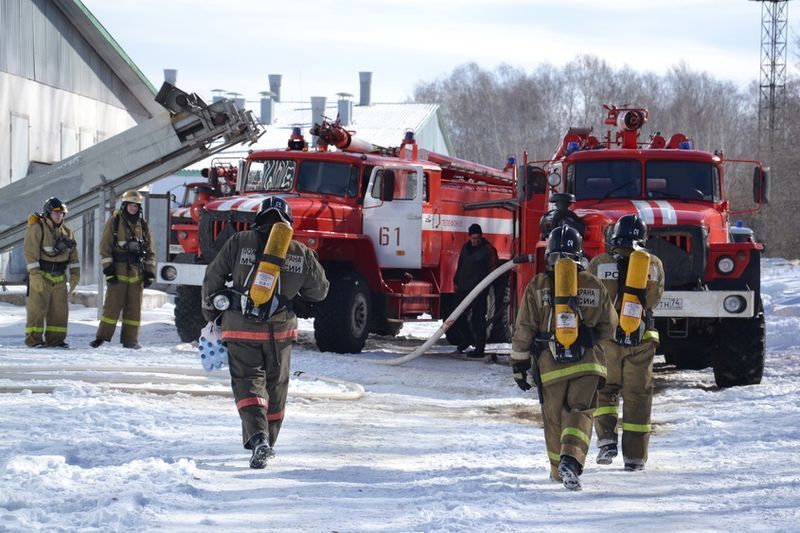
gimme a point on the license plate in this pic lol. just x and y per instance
(670, 304)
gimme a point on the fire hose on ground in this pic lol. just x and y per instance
(450, 320)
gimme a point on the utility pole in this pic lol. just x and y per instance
(772, 85)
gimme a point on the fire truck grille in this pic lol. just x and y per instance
(217, 227)
(683, 251)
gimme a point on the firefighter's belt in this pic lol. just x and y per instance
(53, 267)
(127, 257)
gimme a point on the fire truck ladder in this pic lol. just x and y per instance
(190, 131)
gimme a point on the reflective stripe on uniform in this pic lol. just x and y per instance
(56, 329)
(129, 279)
(253, 400)
(553, 456)
(74, 265)
(31, 266)
(131, 322)
(112, 321)
(106, 260)
(575, 432)
(271, 417)
(637, 428)
(259, 335)
(606, 410)
(594, 368)
(54, 278)
(33, 329)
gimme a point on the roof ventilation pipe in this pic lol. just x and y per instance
(170, 75)
(317, 113)
(275, 86)
(366, 88)
(216, 95)
(345, 108)
(236, 97)
(267, 107)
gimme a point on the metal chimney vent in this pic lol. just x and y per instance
(267, 107)
(275, 85)
(345, 108)
(170, 75)
(366, 88)
(317, 112)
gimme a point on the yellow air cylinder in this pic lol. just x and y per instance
(630, 315)
(269, 268)
(566, 286)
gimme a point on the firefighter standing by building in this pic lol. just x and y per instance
(567, 378)
(478, 258)
(259, 338)
(129, 265)
(49, 251)
(629, 357)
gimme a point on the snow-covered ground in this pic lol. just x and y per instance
(439, 444)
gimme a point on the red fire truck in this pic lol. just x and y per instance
(711, 313)
(387, 225)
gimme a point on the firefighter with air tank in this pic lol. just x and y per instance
(50, 251)
(267, 270)
(635, 282)
(564, 317)
(129, 264)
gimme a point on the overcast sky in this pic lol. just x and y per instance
(319, 46)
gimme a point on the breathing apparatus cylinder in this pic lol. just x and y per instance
(269, 268)
(630, 316)
(566, 286)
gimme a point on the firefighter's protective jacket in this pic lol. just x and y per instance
(606, 267)
(535, 318)
(119, 235)
(40, 250)
(301, 275)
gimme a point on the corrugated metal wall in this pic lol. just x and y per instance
(37, 42)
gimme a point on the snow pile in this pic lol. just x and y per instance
(100, 440)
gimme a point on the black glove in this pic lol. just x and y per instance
(148, 279)
(110, 274)
(521, 374)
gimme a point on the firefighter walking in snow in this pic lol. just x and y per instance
(49, 251)
(259, 334)
(629, 356)
(129, 266)
(477, 260)
(563, 315)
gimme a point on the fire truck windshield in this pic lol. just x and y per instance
(325, 177)
(687, 180)
(270, 175)
(611, 178)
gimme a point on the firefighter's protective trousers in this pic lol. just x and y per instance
(630, 369)
(124, 297)
(47, 312)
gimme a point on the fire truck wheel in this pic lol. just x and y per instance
(740, 358)
(341, 322)
(188, 318)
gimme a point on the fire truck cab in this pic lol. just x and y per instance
(711, 312)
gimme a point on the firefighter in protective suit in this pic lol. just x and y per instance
(49, 251)
(567, 379)
(129, 266)
(259, 338)
(629, 357)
